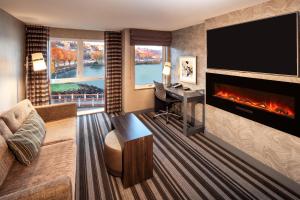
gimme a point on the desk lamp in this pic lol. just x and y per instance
(38, 62)
(166, 73)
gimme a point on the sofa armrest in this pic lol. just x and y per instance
(57, 111)
(59, 189)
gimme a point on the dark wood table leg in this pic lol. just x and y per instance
(137, 161)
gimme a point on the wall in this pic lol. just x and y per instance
(189, 42)
(76, 34)
(133, 99)
(12, 47)
(274, 148)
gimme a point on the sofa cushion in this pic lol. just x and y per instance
(6, 159)
(15, 117)
(54, 161)
(60, 130)
(58, 189)
(56, 112)
(25, 143)
(4, 130)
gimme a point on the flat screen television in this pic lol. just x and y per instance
(268, 45)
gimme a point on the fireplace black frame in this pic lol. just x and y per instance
(283, 123)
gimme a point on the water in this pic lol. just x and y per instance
(67, 74)
(97, 70)
(90, 71)
(144, 74)
(147, 73)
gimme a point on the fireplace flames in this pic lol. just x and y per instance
(270, 106)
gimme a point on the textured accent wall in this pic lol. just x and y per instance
(12, 47)
(189, 42)
(274, 148)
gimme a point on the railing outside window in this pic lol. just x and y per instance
(82, 100)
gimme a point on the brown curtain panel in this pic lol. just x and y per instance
(37, 83)
(113, 75)
(150, 37)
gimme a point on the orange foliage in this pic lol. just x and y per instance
(70, 56)
(96, 55)
(58, 54)
(55, 53)
(145, 53)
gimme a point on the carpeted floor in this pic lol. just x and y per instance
(184, 168)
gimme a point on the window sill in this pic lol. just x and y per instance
(76, 79)
(143, 87)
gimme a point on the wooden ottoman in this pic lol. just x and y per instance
(137, 140)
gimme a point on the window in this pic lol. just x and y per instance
(77, 72)
(93, 58)
(64, 56)
(148, 65)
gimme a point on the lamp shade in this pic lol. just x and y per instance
(167, 68)
(38, 62)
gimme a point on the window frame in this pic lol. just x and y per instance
(80, 66)
(150, 85)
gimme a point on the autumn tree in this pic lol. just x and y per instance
(68, 57)
(97, 56)
(55, 55)
(61, 56)
(74, 56)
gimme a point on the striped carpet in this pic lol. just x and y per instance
(184, 168)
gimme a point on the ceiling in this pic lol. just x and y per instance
(119, 14)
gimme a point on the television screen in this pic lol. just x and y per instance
(267, 45)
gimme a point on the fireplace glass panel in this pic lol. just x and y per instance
(267, 101)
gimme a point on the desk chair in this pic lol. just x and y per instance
(167, 101)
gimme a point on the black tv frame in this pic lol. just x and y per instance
(297, 39)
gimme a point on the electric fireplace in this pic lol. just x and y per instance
(272, 103)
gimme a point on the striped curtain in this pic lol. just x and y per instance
(113, 75)
(37, 84)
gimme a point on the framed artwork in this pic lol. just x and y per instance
(188, 69)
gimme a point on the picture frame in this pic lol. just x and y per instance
(188, 69)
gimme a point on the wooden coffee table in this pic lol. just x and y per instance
(137, 153)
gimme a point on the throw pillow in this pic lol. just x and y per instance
(26, 142)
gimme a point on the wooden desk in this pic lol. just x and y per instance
(137, 153)
(195, 96)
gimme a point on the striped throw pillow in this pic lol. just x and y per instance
(25, 143)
